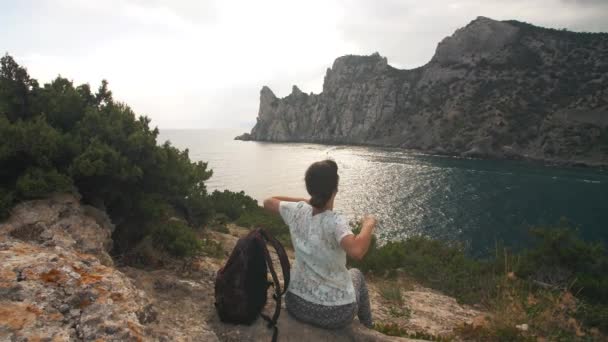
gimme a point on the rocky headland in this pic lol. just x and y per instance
(58, 283)
(494, 89)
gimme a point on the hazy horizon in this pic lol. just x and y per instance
(201, 64)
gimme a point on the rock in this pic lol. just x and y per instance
(291, 330)
(522, 327)
(244, 137)
(61, 221)
(426, 311)
(498, 80)
(56, 296)
(479, 39)
(178, 313)
(57, 281)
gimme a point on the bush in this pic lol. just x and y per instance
(562, 259)
(245, 212)
(212, 248)
(37, 183)
(6, 200)
(559, 263)
(198, 209)
(593, 315)
(232, 204)
(258, 217)
(176, 238)
(61, 137)
(435, 264)
(391, 292)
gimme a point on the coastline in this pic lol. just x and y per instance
(548, 162)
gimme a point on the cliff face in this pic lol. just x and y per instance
(498, 89)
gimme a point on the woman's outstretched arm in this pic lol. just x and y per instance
(357, 245)
(272, 204)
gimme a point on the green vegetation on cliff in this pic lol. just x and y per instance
(559, 287)
(60, 137)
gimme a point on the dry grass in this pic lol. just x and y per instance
(547, 314)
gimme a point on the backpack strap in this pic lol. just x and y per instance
(284, 260)
(272, 322)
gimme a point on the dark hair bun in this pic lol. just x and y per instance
(321, 182)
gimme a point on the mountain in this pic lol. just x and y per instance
(500, 89)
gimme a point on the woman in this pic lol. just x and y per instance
(322, 291)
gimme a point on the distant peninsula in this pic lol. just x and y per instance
(494, 89)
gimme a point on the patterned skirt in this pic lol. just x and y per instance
(334, 316)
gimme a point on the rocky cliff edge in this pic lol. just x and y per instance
(58, 283)
(499, 89)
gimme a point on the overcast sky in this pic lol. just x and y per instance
(201, 64)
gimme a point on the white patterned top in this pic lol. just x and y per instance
(319, 274)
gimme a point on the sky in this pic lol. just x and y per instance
(202, 63)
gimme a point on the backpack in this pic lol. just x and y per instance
(241, 285)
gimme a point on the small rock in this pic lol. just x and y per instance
(111, 329)
(522, 327)
(63, 308)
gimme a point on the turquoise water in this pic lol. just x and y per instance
(478, 202)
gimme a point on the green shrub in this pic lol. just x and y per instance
(219, 223)
(562, 259)
(37, 183)
(232, 204)
(593, 315)
(559, 261)
(212, 248)
(6, 202)
(198, 208)
(434, 263)
(176, 238)
(259, 218)
(245, 212)
(391, 292)
(61, 137)
(220, 219)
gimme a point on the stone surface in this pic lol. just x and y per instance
(500, 89)
(421, 310)
(291, 330)
(181, 306)
(61, 221)
(50, 289)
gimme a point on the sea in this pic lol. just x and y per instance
(478, 203)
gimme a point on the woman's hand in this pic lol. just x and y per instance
(357, 245)
(369, 220)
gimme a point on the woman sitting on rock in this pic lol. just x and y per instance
(322, 291)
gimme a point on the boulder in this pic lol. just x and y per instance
(56, 277)
(292, 330)
(61, 221)
(60, 294)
